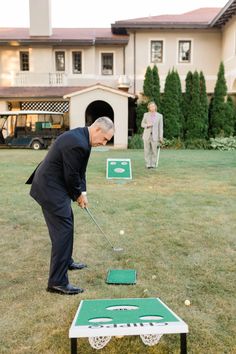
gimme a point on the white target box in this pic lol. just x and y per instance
(118, 169)
(99, 320)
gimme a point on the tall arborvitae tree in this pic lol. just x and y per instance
(203, 104)
(187, 99)
(229, 117)
(148, 84)
(147, 96)
(156, 86)
(180, 100)
(218, 108)
(140, 110)
(194, 123)
(170, 107)
(151, 92)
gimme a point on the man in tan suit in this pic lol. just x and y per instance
(152, 123)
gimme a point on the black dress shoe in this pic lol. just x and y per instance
(75, 266)
(65, 289)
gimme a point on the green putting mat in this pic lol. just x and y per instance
(121, 276)
(119, 169)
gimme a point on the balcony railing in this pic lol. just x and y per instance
(40, 79)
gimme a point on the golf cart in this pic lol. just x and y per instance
(30, 129)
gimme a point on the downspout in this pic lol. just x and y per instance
(124, 64)
(134, 62)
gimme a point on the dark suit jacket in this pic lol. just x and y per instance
(60, 177)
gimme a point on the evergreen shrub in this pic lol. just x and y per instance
(175, 143)
(135, 142)
(197, 143)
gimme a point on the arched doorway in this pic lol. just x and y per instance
(98, 109)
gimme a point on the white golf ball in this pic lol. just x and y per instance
(122, 232)
(145, 290)
(187, 303)
(154, 277)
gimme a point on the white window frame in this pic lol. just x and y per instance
(71, 62)
(191, 52)
(100, 62)
(163, 50)
(55, 64)
(24, 51)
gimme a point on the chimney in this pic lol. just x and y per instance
(40, 18)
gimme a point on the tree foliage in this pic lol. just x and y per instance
(148, 84)
(217, 114)
(229, 117)
(194, 124)
(156, 86)
(170, 107)
(187, 98)
(151, 92)
(203, 105)
(180, 101)
(140, 110)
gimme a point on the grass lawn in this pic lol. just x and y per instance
(179, 224)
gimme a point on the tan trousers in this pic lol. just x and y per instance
(150, 152)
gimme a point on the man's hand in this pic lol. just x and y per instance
(82, 201)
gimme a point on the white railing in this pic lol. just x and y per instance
(40, 79)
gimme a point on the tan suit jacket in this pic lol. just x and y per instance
(156, 131)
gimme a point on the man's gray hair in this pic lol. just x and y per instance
(104, 123)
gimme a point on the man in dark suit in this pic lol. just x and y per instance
(60, 178)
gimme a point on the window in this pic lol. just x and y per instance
(76, 62)
(184, 51)
(156, 51)
(107, 63)
(60, 61)
(24, 61)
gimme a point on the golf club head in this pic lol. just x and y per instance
(115, 249)
(118, 249)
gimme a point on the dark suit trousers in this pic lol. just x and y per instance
(61, 231)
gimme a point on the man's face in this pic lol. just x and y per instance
(152, 108)
(99, 137)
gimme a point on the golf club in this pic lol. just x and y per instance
(115, 249)
(158, 156)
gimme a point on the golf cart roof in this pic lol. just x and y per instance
(17, 113)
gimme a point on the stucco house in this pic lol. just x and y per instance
(92, 72)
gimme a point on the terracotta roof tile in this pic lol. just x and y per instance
(60, 34)
(202, 15)
(38, 92)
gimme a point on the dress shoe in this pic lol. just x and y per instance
(65, 289)
(75, 266)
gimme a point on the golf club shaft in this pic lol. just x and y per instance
(158, 156)
(95, 222)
